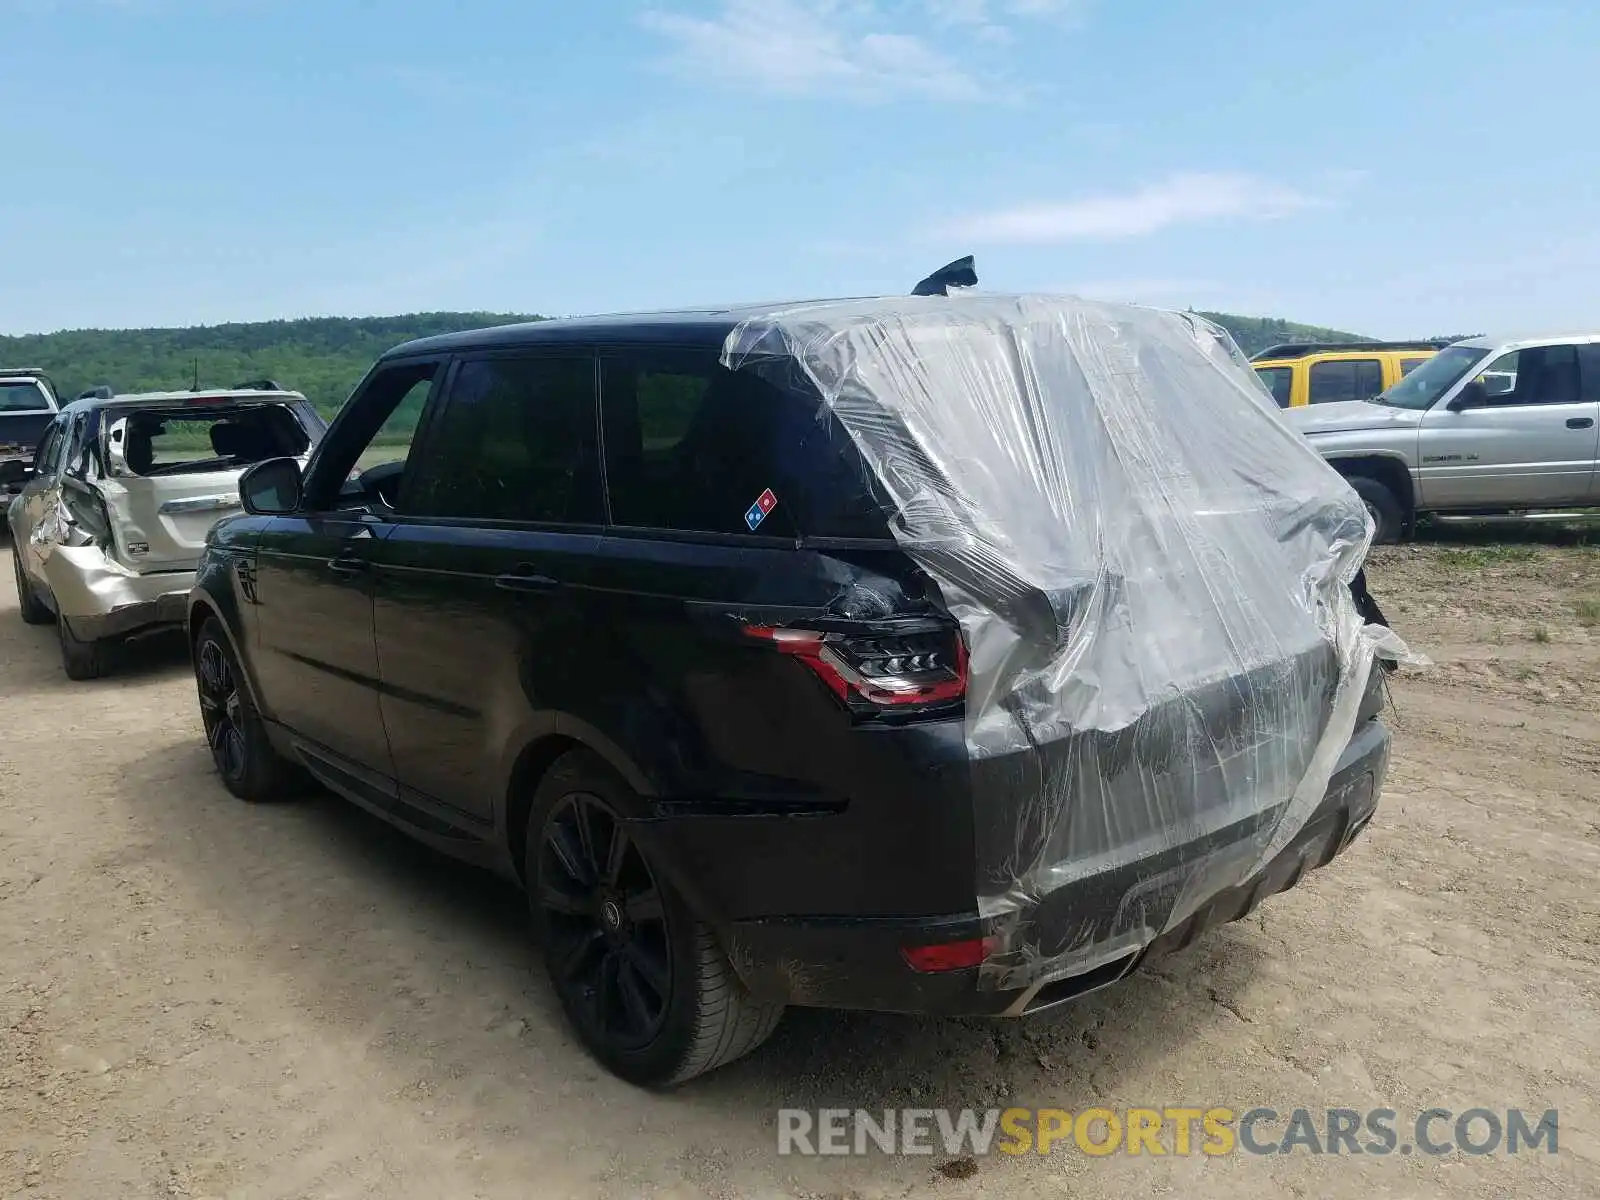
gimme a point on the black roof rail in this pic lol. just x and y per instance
(103, 392)
(260, 385)
(1301, 349)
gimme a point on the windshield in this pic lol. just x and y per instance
(1433, 378)
(25, 396)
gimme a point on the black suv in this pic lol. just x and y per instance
(591, 603)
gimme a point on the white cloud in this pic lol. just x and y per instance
(1137, 291)
(858, 49)
(993, 19)
(816, 48)
(1183, 199)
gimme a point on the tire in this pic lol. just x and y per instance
(33, 609)
(1388, 514)
(642, 981)
(240, 749)
(80, 659)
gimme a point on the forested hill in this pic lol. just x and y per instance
(324, 357)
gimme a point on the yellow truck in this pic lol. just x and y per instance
(1300, 373)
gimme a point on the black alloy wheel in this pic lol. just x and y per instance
(609, 944)
(249, 765)
(222, 712)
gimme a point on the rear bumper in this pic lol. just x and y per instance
(103, 599)
(842, 962)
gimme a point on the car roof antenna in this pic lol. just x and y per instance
(961, 274)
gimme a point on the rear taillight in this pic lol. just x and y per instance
(894, 671)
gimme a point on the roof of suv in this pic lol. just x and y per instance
(159, 399)
(686, 326)
(1292, 350)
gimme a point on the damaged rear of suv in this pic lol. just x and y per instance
(928, 654)
(108, 527)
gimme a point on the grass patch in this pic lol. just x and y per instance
(1588, 612)
(1541, 635)
(1488, 556)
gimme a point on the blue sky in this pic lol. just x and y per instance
(1399, 169)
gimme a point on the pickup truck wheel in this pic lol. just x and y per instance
(642, 980)
(1388, 516)
(81, 659)
(250, 768)
(33, 609)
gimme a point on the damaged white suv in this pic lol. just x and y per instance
(107, 531)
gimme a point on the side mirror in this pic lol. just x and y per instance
(271, 488)
(1474, 395)
(117, 447)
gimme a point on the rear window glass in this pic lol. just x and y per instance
(1408, 365)
(202, 438)
(22, 397)
(693, 446)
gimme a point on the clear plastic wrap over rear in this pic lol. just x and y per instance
(1151, 573)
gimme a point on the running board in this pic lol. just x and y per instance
(1571, 514)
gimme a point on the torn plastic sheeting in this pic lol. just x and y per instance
(1151, 573)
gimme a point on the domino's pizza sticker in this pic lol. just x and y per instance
(758, 511)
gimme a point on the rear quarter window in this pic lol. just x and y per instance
(693, 446)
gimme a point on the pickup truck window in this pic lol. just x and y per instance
(1433, 378)
(1346, 379)
(23, 396)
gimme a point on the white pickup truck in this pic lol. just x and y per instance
(1486, 426)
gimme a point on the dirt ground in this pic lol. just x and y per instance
(200, 998)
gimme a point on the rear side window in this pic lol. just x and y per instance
(1279, 381)
(693, 446)
(515, 441)
(22, 397)
(1346, 379)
